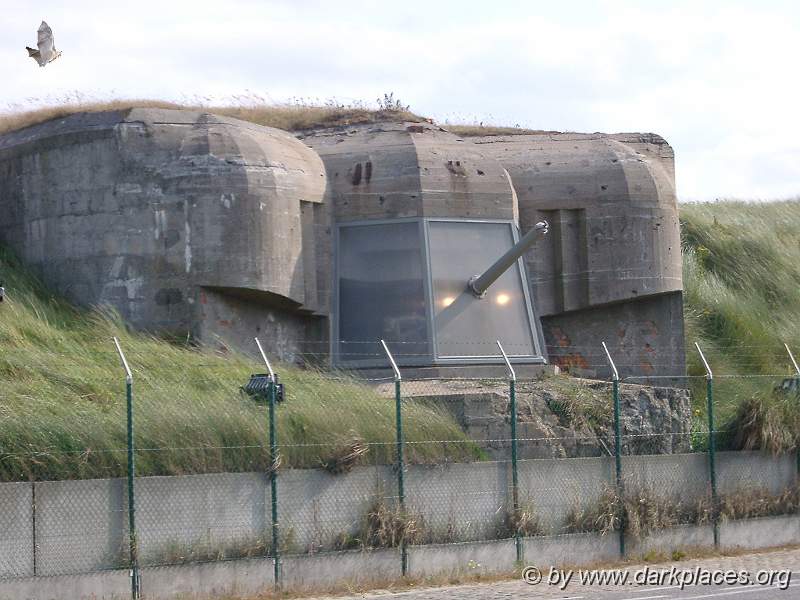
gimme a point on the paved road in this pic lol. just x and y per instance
(788, 560)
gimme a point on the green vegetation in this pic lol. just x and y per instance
(643, 511)
(62, 390)
(299, 114)
(742, 302)
(62, 403)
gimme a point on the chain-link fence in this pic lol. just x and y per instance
(219, 461)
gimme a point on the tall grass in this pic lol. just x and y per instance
(294, 115)
(741, 270)
(62, 402)
(741, 267)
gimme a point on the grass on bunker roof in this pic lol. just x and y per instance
(297, 115)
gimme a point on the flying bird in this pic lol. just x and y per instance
(47, 50)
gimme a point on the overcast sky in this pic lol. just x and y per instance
(718, 79)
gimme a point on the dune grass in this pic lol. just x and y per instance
(742, 302)
(299, 114)
(62, 402)
(295, 115)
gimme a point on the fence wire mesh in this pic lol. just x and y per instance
(203, 460)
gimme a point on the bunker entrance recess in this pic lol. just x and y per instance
(407, 281)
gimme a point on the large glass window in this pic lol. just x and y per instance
(424, 310)
(381, 292)
(465, 325)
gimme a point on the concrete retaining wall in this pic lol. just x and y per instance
(459, 502)
(572, 549)
(320, 571)
(760, 533)
(17, 527)
(204, 513)
(79, 527)
(316, 507)
(674, 538)
(755, 471)
(552, 487)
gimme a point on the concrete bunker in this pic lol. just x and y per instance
(326, 241)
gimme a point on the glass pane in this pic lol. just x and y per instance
(466, 325)
(381, 292)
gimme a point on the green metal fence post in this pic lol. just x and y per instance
(401, 494)
(133, 546)
(512, 392)
(712, 446)
(617, 450)
(273, 470)
(273, 484)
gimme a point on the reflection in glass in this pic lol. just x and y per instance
(381, 292)
(467, 326)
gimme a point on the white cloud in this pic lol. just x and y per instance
(716, 79)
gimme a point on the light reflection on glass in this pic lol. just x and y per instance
(502, 299)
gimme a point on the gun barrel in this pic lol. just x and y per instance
(480, 283)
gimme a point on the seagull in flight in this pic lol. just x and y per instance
(47, 50)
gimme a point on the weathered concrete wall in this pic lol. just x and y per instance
(381, 567)
(318, 508)
(547, 489)
(80, 531)
(398, 170)
(681, 477)
(142, 209)
(681, 537)
(234, 318)
(611, 201)
(768, 532)
(615, 238)
(755, 471)
(459, 502)
(645, 336)
(557, 550)
(190, 223)
(81, 526)
(17, 527)
(209, 514)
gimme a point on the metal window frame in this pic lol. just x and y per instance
(379, 360)
(536, 332)
(432, 358)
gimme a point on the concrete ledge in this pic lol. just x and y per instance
(473, 557)
(320, 571)
(766, 532)
(570, 549)
(666, 541)
(212, 579)
(353, 567)
(105, 585)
